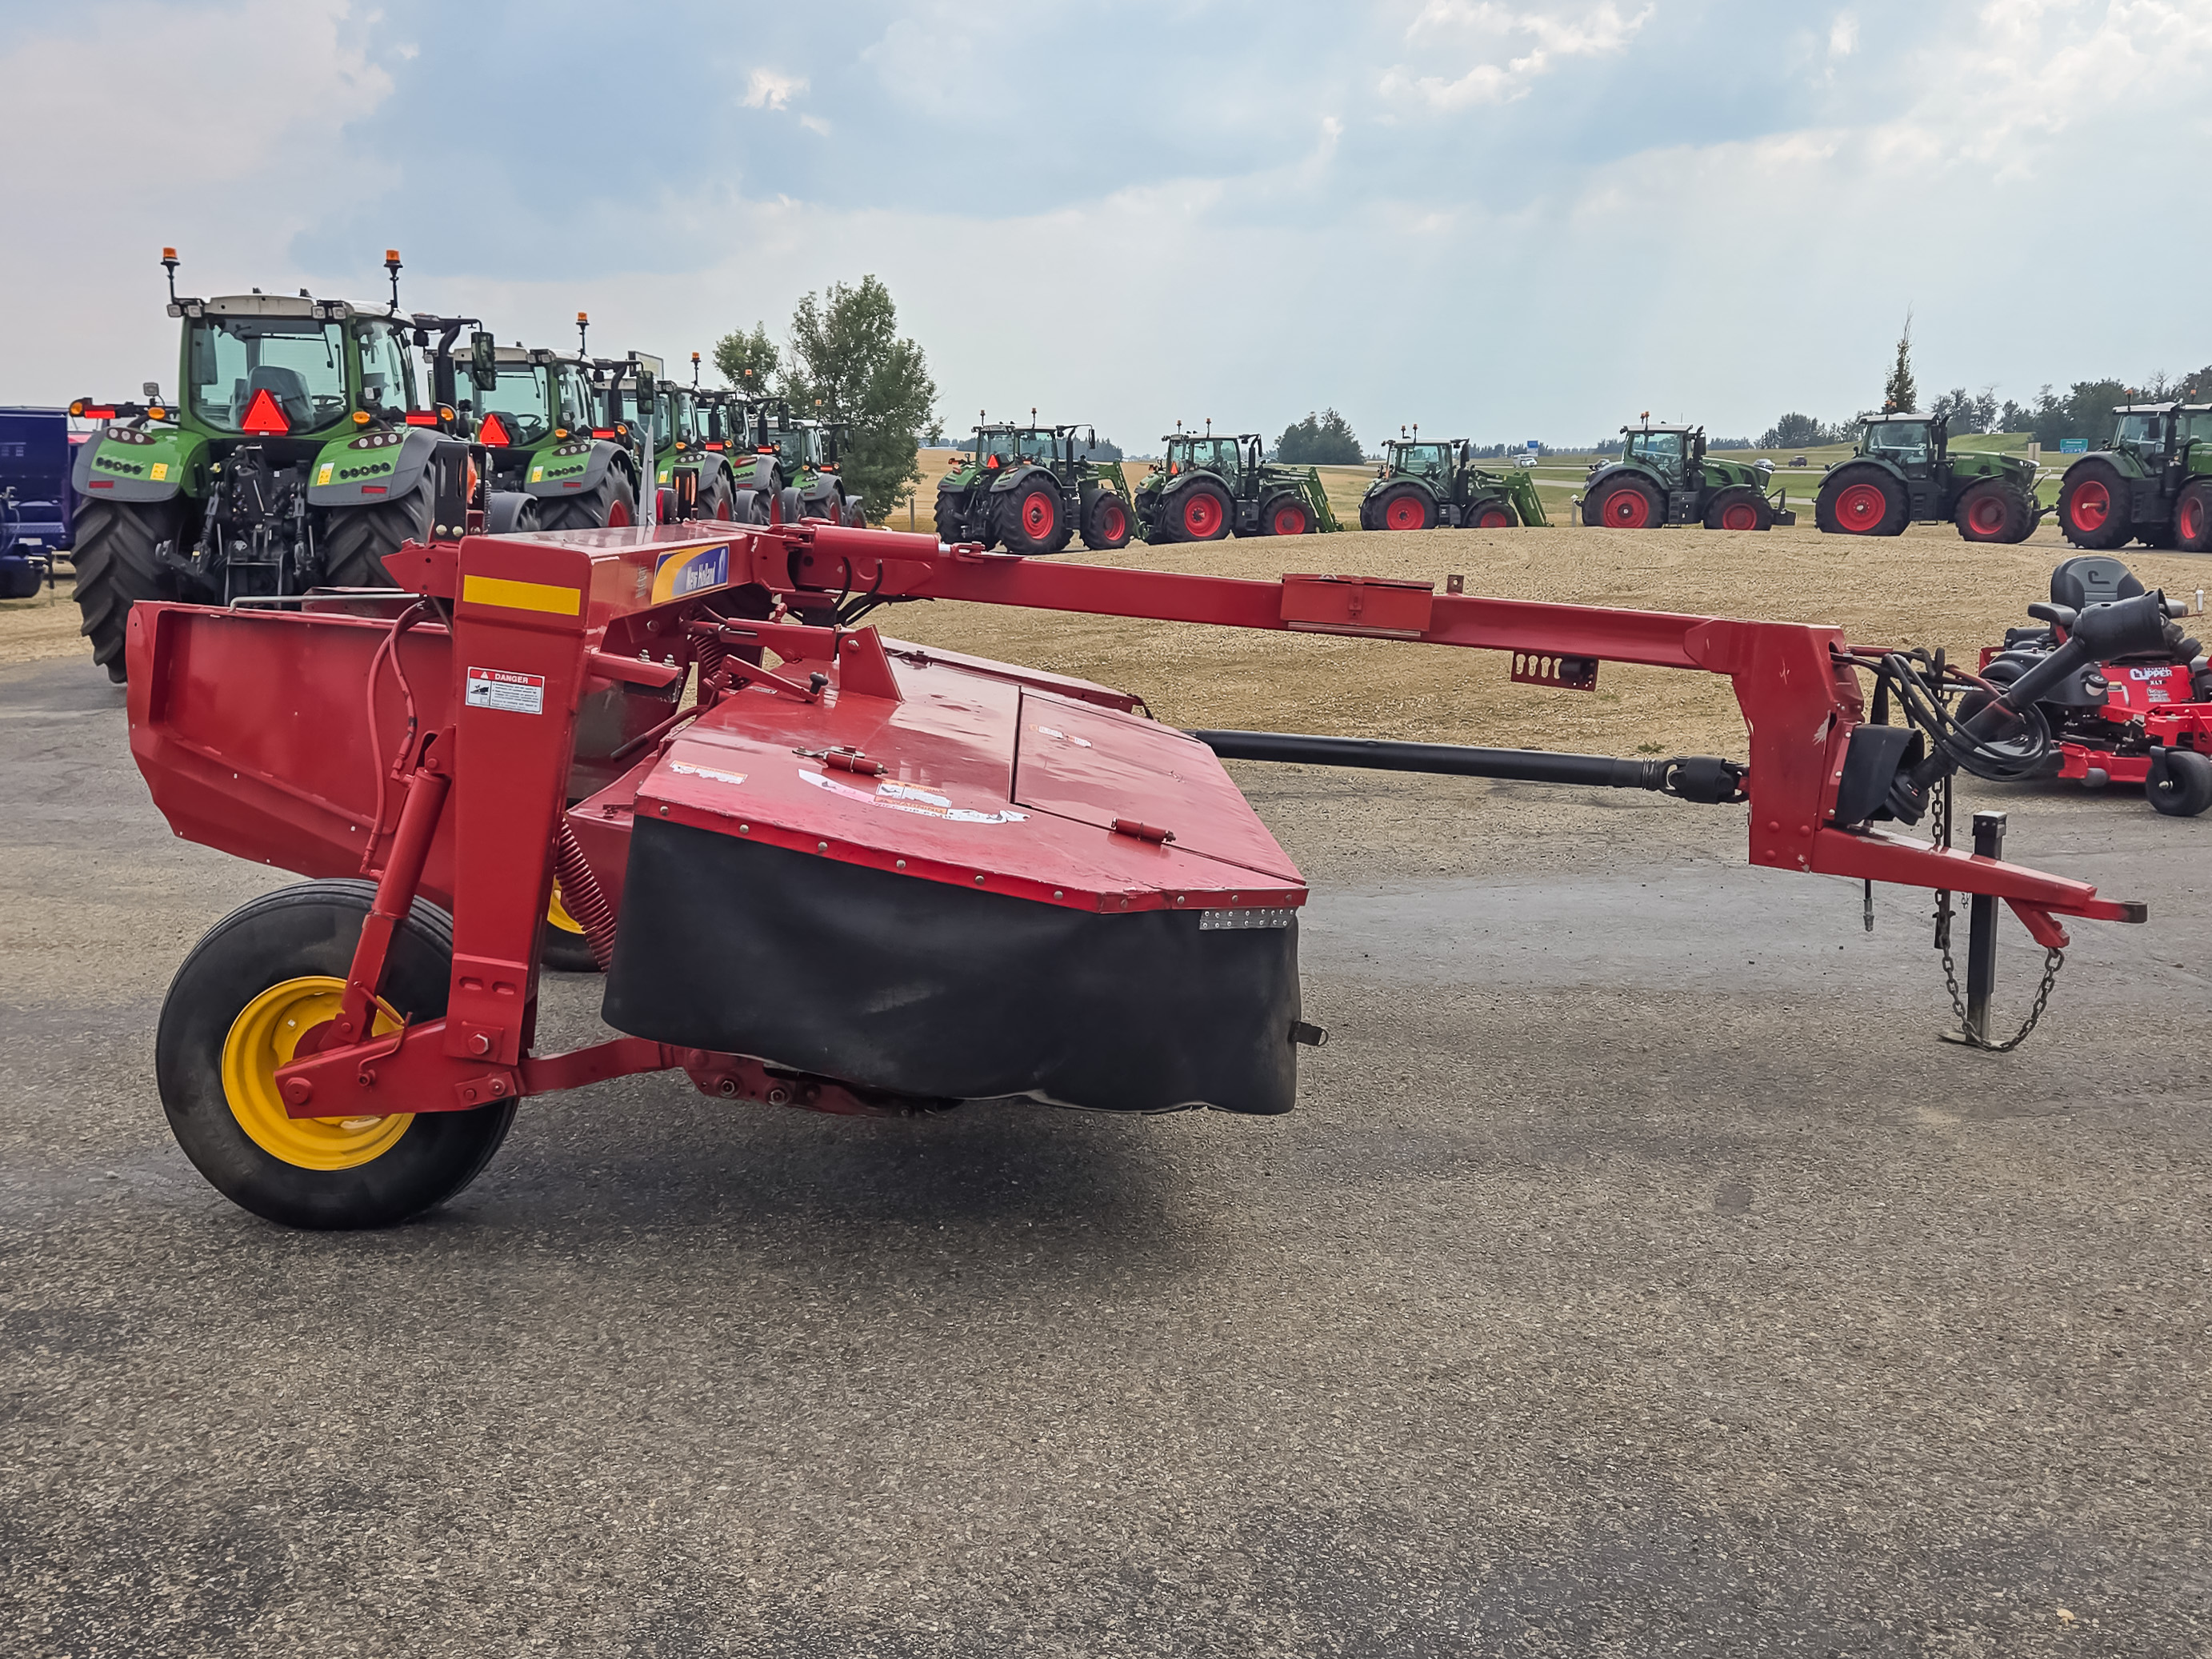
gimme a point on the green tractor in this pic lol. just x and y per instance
(1030, 489)
(538, 423)
(1903, 470)
(1664, 477)
(300, 453)
(2153, 481)
(792, 470)
(1206, 487)
(1422, 484)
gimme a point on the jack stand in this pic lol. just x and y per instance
(1981, 937)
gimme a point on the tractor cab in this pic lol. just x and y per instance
(1410, 459)
(536, 396)
(2146, 430)
(1187, 452)
(1914, 444)
(1666, 450)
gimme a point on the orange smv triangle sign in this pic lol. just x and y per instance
(264, 416)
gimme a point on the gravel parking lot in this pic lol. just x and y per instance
(1638, 1274)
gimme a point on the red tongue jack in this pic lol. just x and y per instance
(264, 416)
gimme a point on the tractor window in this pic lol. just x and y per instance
(1656, 445)
(1424, 461)
(387, 372)
(300, 364)
(576, 400)
(1220, 455)
(521, 400)
(2198, 426)
(1036, 446)
(1905, 443)
(1000, 444)
(2142, 431)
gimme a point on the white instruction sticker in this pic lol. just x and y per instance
(496, 688)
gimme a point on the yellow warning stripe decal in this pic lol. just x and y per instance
(522, 596)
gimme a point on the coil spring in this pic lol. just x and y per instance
(581, 898)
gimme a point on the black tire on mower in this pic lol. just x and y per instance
(2180, 782)
(1108, 523)
(2004, 672)
(1995, 511)
(613, 502)
(2192, 518)
(1285, 514)
(1740, 502)
(1032, 518)
(1846, 503)
(358, 1173)
(2093, 505)
(1624, 503)
(117, 566)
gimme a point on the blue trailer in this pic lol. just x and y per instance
(36, 507)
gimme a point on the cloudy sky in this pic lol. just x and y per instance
(1502, 221)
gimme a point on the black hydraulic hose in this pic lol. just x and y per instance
(1693, 777)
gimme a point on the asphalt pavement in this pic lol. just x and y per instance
(1639, 1275)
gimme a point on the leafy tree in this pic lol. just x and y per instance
(1794, 431)
(1967, 413)
(1900, 394)
(1327, 439)
(748, 361)
(1104, 450)
(847, 363)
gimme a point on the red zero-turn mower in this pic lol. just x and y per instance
(854, 876)
(2142, 718)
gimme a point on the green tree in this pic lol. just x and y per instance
(748, 361)
(1326, 439)
(1900, 395)
(847, 363)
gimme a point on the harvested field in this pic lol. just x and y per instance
(1925, 587)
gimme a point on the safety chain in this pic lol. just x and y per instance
(2053, 958)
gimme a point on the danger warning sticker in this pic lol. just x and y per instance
(496, 688)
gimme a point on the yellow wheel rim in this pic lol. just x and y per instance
(557, 914)
(262, 1038)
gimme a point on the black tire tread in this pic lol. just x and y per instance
(116, 567)
(356, 539)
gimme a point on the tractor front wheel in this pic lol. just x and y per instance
(1492, 514)
(2192, 518)
(117, 566)
(260, 990)
(1287, 516)
(613, 503)
(1739, 507)
(1201, 512)
(1032, 519)
(1405, 507)
(357, 539)
(2093, 505)
(2180, 782)
(1107, 525)
(1624, 504)
(1863, 501)
(1994, 511)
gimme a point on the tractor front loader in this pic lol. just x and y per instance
(1903, 470)
(299, 454)
(2153, 482)
(1427, 485)
(876, 878)
(1206, 487)
(1031, 489)
(1664, 477)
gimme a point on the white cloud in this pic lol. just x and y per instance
(1594, 31)
(768, 89)
(1844, 35)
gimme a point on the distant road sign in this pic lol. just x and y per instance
(2072, 445)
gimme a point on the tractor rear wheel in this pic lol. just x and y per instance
(117, 566)
(357, 539)
(613, 503)
(257, 991)
(748, 506)
(1993, 511)
(1738, 508)
(1492, 514)
(1286, 515)
(2180, 782)
(714, 501)
(2093, 505)
(1405, 506)
(1031, 517)
(856, 513)
(1861, 500)
(1107, 525)
(511, 511)
(1201, 512)
(790, 508)
(2192, 518)
(1624, 504)
(948, 516)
